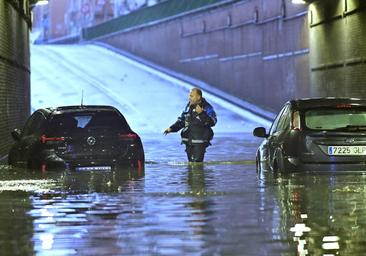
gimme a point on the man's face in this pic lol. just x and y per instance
(194, 97)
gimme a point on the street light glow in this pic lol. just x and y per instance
(42, 2)
(298, 1)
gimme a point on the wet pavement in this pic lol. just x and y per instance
(222, 207)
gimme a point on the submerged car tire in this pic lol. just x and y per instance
(278, 165)
(31, 165)
(275, 166)
(10, 161)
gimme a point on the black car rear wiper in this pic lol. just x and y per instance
(350, 127)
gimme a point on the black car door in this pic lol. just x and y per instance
(277, 132)
(16, 154)
(265, 146)
(30, 139)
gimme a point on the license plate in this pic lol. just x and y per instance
(93, 168)
(347, 150)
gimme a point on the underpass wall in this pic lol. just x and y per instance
(255, 50)
(338, 48)
(14, 69)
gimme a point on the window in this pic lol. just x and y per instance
(333, 118)
(28, 125)
(276, 122)
(35, 124)
(67, 123)
(284, 122)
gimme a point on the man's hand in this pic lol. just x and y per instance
(199, 109)
(167, 130)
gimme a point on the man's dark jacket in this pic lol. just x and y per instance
(196, 127)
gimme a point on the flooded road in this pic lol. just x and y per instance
(222, 207)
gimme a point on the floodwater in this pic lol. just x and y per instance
(222, 207)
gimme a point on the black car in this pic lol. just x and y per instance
(78, 138)
(322, 134)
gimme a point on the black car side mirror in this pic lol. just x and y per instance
(16, 134)
(260, 132)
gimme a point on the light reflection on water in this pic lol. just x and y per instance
(333, 208)
(220, 208)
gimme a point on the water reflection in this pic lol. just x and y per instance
(196, 179)
(322, 213)
(45, 213)
(76, 221)
(201, 205)
(101, 181)
(222, 207)
(13, 219)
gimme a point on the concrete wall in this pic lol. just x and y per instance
(14, 69)
(338, 48)
(256, 50)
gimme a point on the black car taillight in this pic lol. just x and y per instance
(295, 121)
(51, 140)
(128, 136)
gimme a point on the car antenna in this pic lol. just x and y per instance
(82, 97)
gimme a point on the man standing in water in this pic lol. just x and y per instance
(196, 120)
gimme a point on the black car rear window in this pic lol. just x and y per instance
(82, 122)
(335, 118)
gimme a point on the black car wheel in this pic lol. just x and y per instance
(32, 165)
(275, 166)
(10, 160)
(278, 165)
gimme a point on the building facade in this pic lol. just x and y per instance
(66, 18)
